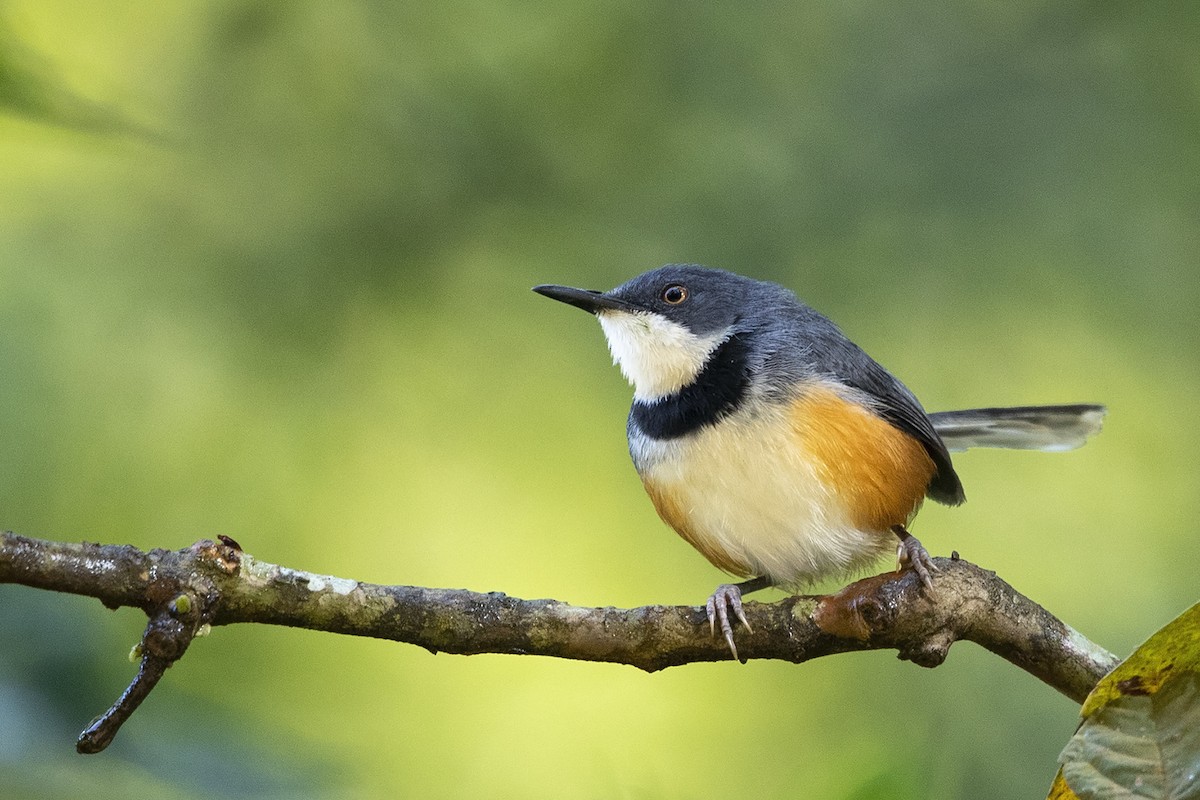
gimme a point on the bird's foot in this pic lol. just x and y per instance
(911, 553)
(727, 596)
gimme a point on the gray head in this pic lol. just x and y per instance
(663, 325)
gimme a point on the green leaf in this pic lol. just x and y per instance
(1140, 735)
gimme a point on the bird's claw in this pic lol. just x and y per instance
(726, 596)
(911, 553)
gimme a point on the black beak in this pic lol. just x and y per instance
(586, 299)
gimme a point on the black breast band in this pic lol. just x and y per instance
(717, 392)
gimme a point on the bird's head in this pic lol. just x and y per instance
(663, 325)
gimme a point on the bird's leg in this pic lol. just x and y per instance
(913, 554)
(727, 596)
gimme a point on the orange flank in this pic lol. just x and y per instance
(672, 512)
(879, 472)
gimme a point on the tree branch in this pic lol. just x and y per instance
(215, 583)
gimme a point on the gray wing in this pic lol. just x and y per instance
(896, 404)
(834, 355)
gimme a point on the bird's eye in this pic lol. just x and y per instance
(674, 294)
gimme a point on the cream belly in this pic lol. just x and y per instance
(750, 495)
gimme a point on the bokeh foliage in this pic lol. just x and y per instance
(264, 271)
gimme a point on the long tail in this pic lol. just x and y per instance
(1048, 428)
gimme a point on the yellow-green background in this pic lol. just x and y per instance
(265, 270)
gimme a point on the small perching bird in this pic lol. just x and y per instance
(772, 443)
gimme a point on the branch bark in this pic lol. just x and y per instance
(216, 583)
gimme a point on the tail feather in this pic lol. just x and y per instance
(1046, 428)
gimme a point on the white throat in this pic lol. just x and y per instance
(658, 356)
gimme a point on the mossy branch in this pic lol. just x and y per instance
(216, 583)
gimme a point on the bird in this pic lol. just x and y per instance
(773, 444)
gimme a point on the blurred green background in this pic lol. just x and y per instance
(265, 270)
